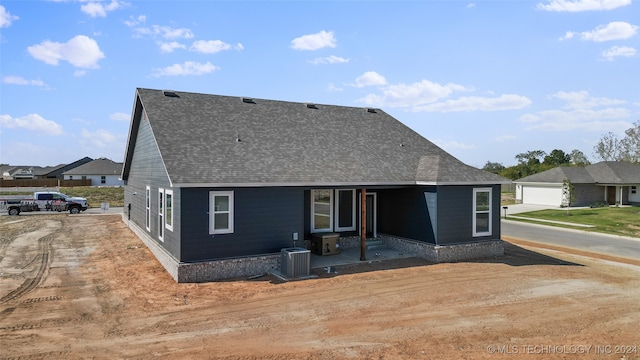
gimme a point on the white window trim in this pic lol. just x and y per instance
(169, 227)
(161, 214)
(313, 215)
(147, 206)
(490, 212)
(212, 212)
(353, 210)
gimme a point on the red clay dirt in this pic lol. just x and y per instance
(86, 287)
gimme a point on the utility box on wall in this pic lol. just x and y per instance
(325, 244)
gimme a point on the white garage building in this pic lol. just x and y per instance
(539, 194)
(608, 182)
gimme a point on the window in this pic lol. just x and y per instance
(482, 212)
(148, 208)
(168, 209)
(103, 179)
(345, 210)
(633, 189)
(161, 214)
(322, 210)
(220, 212)
(70, 177)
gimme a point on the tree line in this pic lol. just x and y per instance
(609, 148)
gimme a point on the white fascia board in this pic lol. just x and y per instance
(537, 183)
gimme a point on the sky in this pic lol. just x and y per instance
(484, 80)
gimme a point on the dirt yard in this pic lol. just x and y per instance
(85, 287)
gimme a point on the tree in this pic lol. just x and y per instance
(531, 157)
(608, 148)
(568, 194)
(528, 163)
(630, 144)
(557, 158)
(611, 148)
(493, 167)
(579, 158)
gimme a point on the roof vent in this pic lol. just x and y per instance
(168, 93)
(372, 110)
(248, 100)
(312, 106)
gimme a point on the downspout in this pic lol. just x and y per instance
(363, 225)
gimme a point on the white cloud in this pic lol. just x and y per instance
(186, 68)
(98, 8)
(314, 41)
(81, 51)
(168, 47)
(568, 35)
(120, 116)
(449, 145)
(165, 32)
(135, 21)
(471, 5)
(581, 5)
(18, 80)
(6, 18)
(477, 103)
(32, 122)
(582, 100)
(618, 51)
(332, 59)
(617, 30)
(578, 119)
(579, 114)
(369, 78)
(411, 95)
(101, 139)
(332, 87)
(213, 46)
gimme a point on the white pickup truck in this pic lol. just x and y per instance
(43, 201)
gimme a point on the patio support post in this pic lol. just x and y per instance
(363, 225)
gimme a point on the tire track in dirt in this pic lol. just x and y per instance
(44, 256)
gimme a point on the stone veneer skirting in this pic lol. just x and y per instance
(261, 264)
(434, 253)
(203, 271)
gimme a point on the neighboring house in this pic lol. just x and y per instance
(216, 186)
(22, 172)
(101, 172)
(608, 182)
(56, 172)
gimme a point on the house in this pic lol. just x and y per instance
(217, 185)
(56, 172)
(608, 182)
(101, 172)
(22, 172)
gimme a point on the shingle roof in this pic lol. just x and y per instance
(100, 166)
(212, 139)
(606, 172)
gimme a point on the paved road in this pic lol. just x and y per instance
(576, 239)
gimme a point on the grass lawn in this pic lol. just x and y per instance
(623, 221)
(95, 195)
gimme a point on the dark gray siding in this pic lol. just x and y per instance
(264, 222)
(404, 212)
(147, 169)
(455, 214)
(587, 194)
